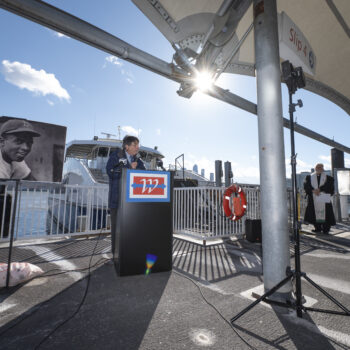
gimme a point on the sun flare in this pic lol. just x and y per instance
(204, 81)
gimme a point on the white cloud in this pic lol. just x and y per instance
(241, 174)
(50, 103)
(129, 130)
(40, 82)
(326, 159)
(301, 166)
(129, 77)
(202, 163)
(347, 163)
(158, 131)
(246, 174)
(114, 60)
(60, 35)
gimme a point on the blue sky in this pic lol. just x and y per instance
(51, 78)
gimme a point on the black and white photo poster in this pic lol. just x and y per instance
(31, 150)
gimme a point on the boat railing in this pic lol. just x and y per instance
(99, 175)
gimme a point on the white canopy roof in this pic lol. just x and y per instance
(210, 31)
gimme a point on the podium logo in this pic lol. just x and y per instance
(148, 186)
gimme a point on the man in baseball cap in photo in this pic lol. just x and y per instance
(16, 140)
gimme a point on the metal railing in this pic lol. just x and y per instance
(52, 209)
(197, 212)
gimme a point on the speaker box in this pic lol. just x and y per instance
(253, 230)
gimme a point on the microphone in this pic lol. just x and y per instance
(122, 161)
(137, 157)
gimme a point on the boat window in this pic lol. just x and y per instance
(102, 152)
(113, 149)
(94, 153)
(147, 157)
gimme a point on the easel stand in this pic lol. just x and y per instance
(294, 79)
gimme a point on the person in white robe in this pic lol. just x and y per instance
(319, 189)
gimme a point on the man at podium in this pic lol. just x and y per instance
(127, 157)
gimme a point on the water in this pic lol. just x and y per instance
(33, 213)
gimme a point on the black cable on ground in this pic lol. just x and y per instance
(98, 263)
(79, 306)
(61, 272)
(214, 307)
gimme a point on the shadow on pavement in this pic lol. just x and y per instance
(115, 315)
(214, 263)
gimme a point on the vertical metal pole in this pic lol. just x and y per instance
(275, 237)
(337, 160)
(295, 213)
(13, 222)
(218, 173)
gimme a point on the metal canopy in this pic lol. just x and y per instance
(209, 31)
(56, 19)
(208, 34)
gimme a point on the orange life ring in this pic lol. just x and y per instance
(239, 204)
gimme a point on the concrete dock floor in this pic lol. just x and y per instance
(187, 308)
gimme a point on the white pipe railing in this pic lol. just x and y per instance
(53, 209)
(198, 212)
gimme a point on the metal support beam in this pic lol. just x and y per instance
(228, 97)
(63, 22)
(273, 186)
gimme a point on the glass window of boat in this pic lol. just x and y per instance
(99, 158)
(102, 152)
(149, 160)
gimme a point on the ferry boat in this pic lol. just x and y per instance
(85, 177)
(86, 160)
(83, 202)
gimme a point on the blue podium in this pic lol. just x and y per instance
(144, 222)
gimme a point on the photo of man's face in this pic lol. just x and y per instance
(16, 146)
(31, 150)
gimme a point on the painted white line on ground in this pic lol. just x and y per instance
(6, 306)
(343, 234)
(331, 283)
(328, 241)
(259, 290)
(340, 337)
(106, 253)
(329, 256)
(56, 259)
(215, 288)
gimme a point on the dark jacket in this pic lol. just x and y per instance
(114, 170)
(327, 187)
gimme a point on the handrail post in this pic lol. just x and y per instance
(13, 218)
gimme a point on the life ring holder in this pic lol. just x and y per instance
(239, 205)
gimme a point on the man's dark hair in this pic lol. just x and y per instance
(128, 140)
